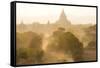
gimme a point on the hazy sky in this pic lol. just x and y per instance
(29, 13)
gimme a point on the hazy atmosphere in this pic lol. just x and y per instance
(55, 34)
(30, 13)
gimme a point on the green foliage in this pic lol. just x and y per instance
(27, 54)
(66, 42)
(23, 53)
(91, 45)
(90, 33)
(36, 42)
(30, 50)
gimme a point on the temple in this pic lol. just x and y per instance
(63, 21)
(41, 28)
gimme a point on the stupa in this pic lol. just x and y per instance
(62, 20)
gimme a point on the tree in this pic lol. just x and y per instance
(36, 52)
(75, 46)
(29, 48)
(67, 43)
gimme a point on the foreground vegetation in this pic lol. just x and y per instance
(63, 46)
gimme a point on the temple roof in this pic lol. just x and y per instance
(63, 18)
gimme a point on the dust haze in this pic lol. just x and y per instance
(55, 42)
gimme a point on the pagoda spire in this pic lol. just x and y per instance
(63, 15)
(63, 19)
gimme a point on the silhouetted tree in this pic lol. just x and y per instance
(66, 42)
(31, 52)
(36, 52)
(75, 46)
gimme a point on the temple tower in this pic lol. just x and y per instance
(62, 20)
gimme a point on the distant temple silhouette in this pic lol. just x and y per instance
(42, 28)
(63, 21)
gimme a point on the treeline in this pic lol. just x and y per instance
(29, 47)
(66, 43)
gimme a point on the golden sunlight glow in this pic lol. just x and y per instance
(29, 13)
